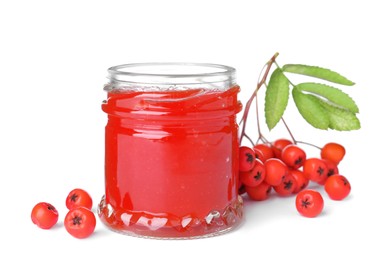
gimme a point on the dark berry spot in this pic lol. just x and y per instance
(288, 185)
(344, 181)
(298, 161)
(74, 197)
(331, 172)
(242, 189)
(250, 157)
(320, 170)
(51, 207)
(305, 203)
(77, 220)
(258, 176)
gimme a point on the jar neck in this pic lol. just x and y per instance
(170, 76)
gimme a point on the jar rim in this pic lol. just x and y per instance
(170, 74)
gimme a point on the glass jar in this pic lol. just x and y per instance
(171, 150)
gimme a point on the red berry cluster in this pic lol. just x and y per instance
(79, 222)
(283, 166)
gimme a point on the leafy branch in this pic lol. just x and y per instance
(321, 105)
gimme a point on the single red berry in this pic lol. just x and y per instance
(293, 156)
(44, 215)
(263, 152)
(80, 222)
(333, 152)
(78, 198)
(332, 169)
(309, 203)
(315, 169)
(337, 187)
(259, 155)
(246, 158)
(255, 176)
(301, 181)
(261, 192)
(287, 186)
(275, 171)
(279, 145)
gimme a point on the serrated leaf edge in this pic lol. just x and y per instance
(329, 110)
(340, 78)
(352, 106)
(269, 124)
(317, 105)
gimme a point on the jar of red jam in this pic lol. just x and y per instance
(171, 150)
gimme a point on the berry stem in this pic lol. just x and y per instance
(302, 142)
(248, 138)
(293, 139)
(258, 125)
(254, 96)
(288, 129)
(260, 135)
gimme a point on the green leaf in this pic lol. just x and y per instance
(340, 119)
(311, 109)
(333, 95)
(276, 98)
(317, 72)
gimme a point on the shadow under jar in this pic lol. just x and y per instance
(171, 150)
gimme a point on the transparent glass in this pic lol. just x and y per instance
(171, 150)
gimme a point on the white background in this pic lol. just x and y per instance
(53, 61)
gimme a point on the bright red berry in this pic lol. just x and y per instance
(315, 169)
(275, 171)
(80, 222)
(246, 158)
(78, 198)
(333, 152)
(255, 176)
(301, 181)
(309, 203)
(332, 169)
(261, 192)
(44, 215)
(287, 186)
(337, 187)
(279, 145)
(263, 152)
(293, 156)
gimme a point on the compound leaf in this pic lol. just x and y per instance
(333, 95)
(317, 72)
(276, 98)
(340, 119)
(311, 109)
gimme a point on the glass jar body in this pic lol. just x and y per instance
(171, 160)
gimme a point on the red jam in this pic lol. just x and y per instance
(171, 162)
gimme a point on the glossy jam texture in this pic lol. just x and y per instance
(171, 163)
